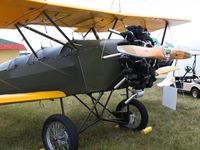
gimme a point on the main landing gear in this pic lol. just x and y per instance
(134, 114)
(59, 132)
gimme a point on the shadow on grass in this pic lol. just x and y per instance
(21, 125)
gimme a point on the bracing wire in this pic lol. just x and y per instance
(120, 10)
(46, 31)
(119, 5)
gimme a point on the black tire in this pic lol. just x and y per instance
(59, 131)
(143, 114)
(195, 93)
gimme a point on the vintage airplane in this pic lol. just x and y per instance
(83, 66)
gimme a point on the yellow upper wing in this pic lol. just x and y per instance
(30, 12)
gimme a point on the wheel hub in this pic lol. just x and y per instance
(62, 138)
(57, 137)
(131, 119)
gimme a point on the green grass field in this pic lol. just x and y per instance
(21, 125)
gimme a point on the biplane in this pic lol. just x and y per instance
(91, 67)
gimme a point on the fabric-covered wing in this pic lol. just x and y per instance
(30, 97)
(30, 12)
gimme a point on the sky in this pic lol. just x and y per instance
(187, 35)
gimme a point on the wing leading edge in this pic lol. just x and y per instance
(30, 12)
(30, 97)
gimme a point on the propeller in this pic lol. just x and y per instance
(166, 69)
(159, 52)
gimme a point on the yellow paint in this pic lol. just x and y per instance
(42, 149)
(28, 97)
(82, 18)
(146, 130)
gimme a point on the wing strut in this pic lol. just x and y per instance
(115, 22)
(29, 45)
(58, 28)
(42, 34)
(87, 33)
(163, 38)
(95, 33)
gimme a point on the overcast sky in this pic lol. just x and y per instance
(187, 35)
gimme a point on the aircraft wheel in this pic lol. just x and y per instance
(59, 132)
(195, 93)
(135, 114)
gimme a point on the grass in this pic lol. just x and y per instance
(21, 125)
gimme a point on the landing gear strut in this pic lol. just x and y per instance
(59, 132)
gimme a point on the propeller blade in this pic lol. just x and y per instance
(138, 51)
(159, 52)
(195, 52)
(166, 69)
(179, 54)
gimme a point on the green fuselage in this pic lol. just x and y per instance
(73, 71)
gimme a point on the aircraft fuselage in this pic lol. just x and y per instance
(73, 71)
